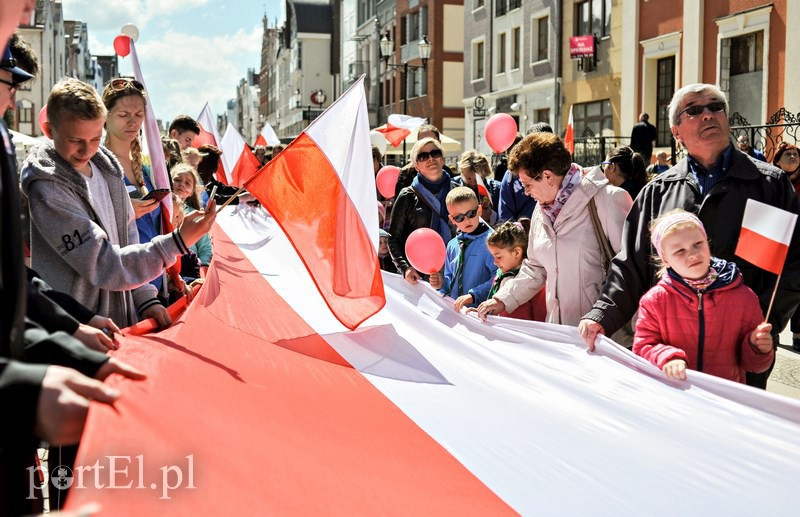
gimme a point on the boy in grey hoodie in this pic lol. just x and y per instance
(84, 239)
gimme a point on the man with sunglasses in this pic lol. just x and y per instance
(714, 181)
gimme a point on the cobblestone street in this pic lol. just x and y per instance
(785, 378)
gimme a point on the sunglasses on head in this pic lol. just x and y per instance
(424, 155)
(468, 215)
(698, 109)
(123, 83)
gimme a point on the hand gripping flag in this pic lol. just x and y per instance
(321, 191)
(765, 236)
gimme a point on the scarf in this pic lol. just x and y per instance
(426, 190)
(463, 243)
(571, 180)
(498, 280)
(702, 284)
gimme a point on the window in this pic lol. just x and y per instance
(24, 111)
(477, 60)
(503, 6)
(501, 53)
(478, 4)
(299, 55)
(417, 83)
(593, 17)
(542, 115)
(591, 118)
(516, 42)
(747, 53)
(416, 25)
(665, 88)
(540, 41)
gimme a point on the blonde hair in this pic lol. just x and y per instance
(422, 143)
(111, 94)
(459, 195)
(476, 161)
(71, 98)
(184, 168)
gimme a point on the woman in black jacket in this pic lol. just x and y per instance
(421, 205)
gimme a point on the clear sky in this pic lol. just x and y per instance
(190, 51)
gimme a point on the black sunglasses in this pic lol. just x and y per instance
(469, 215)
(11, 84)
(697, 109)
(424, 155)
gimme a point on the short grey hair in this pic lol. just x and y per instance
(677, 99)
(422, 143)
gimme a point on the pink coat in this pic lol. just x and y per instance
(671, 316)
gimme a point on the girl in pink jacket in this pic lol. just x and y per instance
(700, 315)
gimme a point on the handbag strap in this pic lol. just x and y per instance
(602, 240)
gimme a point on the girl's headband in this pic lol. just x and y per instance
(668, 222)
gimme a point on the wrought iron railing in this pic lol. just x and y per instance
(590, 151)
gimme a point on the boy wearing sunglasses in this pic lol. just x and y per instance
(469, 266)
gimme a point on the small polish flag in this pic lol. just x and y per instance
(239, 160)
(210, 136)
(766, 235)
(394, 135)
(569, 137)
(267, 136)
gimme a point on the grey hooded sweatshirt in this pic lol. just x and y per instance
(70, 247)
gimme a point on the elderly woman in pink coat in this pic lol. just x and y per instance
(564, 249)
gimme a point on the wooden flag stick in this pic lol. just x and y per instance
(772, 299)
(228, 202)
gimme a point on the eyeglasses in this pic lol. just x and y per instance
(12, 86)
(123, 83)
(698, 109)
(603, 165)
(790, 154)
(424, 155)
(468, 215)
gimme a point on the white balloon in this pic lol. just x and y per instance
(131, 30)
(378, 140)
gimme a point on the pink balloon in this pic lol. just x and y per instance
(122, 45)
(425, 250)
(42, 118)
(500, 131)
(387, 180)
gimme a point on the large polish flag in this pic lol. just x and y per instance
(267, 136)
(317, 190)
(259, 402)
(239, 160)
(210, 136)
(765, 236)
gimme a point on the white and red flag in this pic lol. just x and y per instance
(321, 191)
(267, 136)
(239, 160)
(765, 236)
(210, 136)
(569, 136)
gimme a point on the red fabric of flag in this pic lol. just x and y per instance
(394, 135)
(303, 192)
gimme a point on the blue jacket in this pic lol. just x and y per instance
(149, 225)
(514, 203)
(478, 271)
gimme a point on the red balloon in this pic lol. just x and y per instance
(387, 180)
(42, 118)
(425, 250)
(122, 45)
(500, 131)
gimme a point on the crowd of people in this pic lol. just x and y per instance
(640, 251)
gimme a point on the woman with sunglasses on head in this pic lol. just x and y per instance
(421, 205)
(564, 246)
(125, 101)
(787, 159)
(625, 169)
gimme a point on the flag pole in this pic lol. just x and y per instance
(228, 202)
(772, 299)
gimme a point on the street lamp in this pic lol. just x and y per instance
(387, 49)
